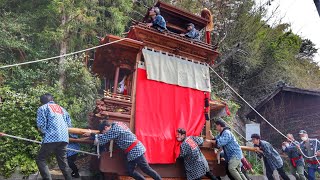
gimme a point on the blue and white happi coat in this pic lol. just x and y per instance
(73, 145)
(123, 137)
(195, 163)
(228, 142)
(270, 155)
(159, 22)
(293, 152)
(53, 121)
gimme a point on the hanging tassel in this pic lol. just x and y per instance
(206, 115)
(206, 100)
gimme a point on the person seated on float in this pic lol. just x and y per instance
(158, 21)
(192, 32)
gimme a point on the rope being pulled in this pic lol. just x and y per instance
(224, 81)
(38, 142)
(64, 55)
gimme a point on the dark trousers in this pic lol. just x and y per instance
(72, 165)
(59, 149)
(144, 166)
(281, 172)
(209, 175)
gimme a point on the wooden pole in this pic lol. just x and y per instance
(247, 148)
(81, 140)
(116, 78)
(81, 131)
(133, 92)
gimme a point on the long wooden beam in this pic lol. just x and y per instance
(81, 140)
(248, 148)
(81, 131)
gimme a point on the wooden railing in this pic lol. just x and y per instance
(177, 36)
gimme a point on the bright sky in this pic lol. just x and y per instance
(301, 14)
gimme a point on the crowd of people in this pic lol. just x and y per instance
(53, 122)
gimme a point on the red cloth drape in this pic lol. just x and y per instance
(208, 37)
(162, 108)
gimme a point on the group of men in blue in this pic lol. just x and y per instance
(300, 154)
(159, 23)
(53, 121)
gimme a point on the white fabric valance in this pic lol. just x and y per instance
(175, 70)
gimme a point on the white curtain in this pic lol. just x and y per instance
(175, 70)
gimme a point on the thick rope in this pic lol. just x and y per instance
(309, 157)
(38, 142)
(64, 55)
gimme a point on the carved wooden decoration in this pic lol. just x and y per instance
(173, 43)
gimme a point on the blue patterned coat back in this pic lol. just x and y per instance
(271, 155)
(73, 145)
(53, 121)
(123, 137)
(230, 146)
(159, 22)
(195, 163)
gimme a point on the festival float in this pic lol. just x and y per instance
(156, 82)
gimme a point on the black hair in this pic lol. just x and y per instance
(220, 122)
(102, 125)
(181, 131)
(256, 136)
(44, 99)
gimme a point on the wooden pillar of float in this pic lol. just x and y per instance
(116, 79)
(133, 92)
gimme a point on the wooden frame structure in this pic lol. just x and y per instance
(110, 60)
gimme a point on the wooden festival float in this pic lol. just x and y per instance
(126, 61)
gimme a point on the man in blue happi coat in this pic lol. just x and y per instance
(128, 142)
(231, 148)
(158, 21)
(195, 163)
(271, 157)
(296, 159)
(310, 148)
(192, 32)
(53, 122)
